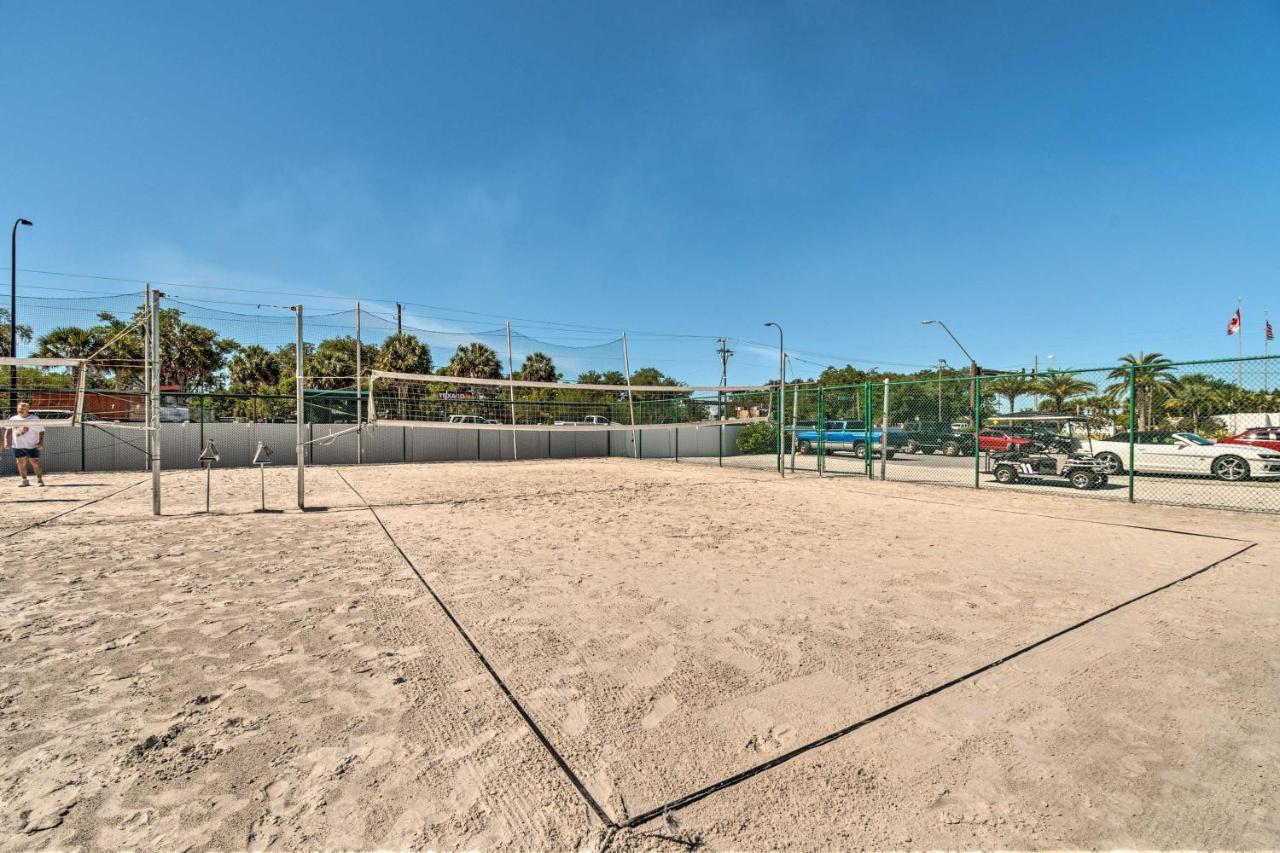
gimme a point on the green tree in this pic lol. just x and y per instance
(333, 365)
(1010, 386)
(538, 367)
(403, 353)
(68, 342)
(757, 438)
(1058, 387)
(475, 361)
(255, 368)
(1152, 375)
(1195, 397)
(24, 334)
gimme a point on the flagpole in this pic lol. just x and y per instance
(1266, 351)
(1240, 344)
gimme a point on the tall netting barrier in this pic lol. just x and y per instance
(80, 368)
(1205, 433)
(530, 419)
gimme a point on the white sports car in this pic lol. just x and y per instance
(1186, 453)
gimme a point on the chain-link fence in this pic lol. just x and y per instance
(1146, 429)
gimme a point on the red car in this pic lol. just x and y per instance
(1000, 441)
(1263, 438)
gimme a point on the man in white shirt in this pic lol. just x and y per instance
(25, 434)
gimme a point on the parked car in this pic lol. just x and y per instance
(936, 436)
(1044, 437)
(1188, 454)
(589, 420)
(1264, 438)
(1002, 441)
(851, 436)
(469, 419)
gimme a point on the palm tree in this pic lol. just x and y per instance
(1059, 386)
(538, 367)
(475, 361)
(403, 353)
(254, 367)
(1011, 386)
(24, 333)
(1196, 396)
(1152, 373)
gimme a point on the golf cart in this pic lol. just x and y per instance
(1028, 463)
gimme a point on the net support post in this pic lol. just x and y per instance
(631, 402)
(1133, 394)
(299, 379)
(153, 397)
(866, 429)
(359, 404)
(884, 434)
(977, 426)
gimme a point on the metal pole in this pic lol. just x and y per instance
(13, 313)
(359, 403)
(1266, 352)
(631, 403)
(399, 317)
(1133, 395)
(884, 432)
(976, 387)
(511, 375)
(939, 392)
(298, 397)
(153, 400)
(1239, 345)
(795, 407)
(146, 370)
(208, 485)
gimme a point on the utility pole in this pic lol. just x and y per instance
(399, 317)
(725, 353)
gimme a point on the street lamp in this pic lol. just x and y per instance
(973, 365)
(13, 313)
(782, 400)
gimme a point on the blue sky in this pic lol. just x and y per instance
(1077, 179)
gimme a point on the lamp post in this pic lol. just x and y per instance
(13, 313)
(973, 365)
(782, 399)
(942, 365)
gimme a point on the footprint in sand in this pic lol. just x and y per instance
(575, 722)
(658, 712)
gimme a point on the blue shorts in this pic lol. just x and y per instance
(26, 453)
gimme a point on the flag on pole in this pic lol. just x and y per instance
(1271, 336)
(1233, 325)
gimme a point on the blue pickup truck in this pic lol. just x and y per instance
(849, 436)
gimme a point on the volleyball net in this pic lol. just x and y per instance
(442, 401)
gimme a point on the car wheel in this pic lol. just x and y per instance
(1102, 480)
(1111, 463)
(891, 453)
(951, 448)
(1230, 468)
(1082, 479)
(860, 450)
(912, 446)
(803, 448)
(1006, 474)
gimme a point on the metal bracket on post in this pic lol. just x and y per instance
(262, 458)
(208, 456)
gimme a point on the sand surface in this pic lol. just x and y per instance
(285, 680)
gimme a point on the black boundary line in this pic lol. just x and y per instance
(715, 787)
(493, 673)
(56, 516)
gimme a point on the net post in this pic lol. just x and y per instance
(359, 407)
(153, 397)
(511, 375)
(631, 402)
(1133, 371)
(977, 426)
(795, 407)
(884, 433)
(146, 367)
(821, 454)
(866, 429)
(298, 397)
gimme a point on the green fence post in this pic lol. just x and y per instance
(820, 451)
(866, 429)
(1133, 394)
(721, 448)
(977, 426)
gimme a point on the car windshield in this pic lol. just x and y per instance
(1193, 438)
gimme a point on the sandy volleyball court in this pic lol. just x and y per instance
(662, 650)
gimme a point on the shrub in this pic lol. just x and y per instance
(758, 438)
